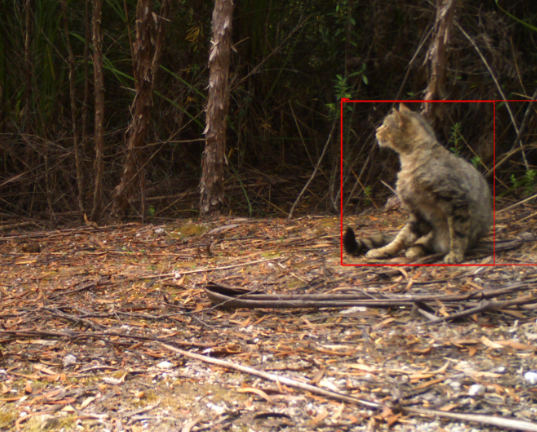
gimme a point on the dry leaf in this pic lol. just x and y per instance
(319, 417)
(256, 391)
(491, 344)
(87, 401)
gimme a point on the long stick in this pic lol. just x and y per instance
(276, 378)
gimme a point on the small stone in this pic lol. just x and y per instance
(352, 310)
(69, 360)
(531, 377)
(165, 365)
(455, 385)
(526, 236)
(114, 381)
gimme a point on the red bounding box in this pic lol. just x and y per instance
(392, 102)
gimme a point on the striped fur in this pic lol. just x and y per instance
(359, 247)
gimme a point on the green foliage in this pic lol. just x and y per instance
(515, 182)
(455, 139)
(360, 73)
(476, 162)
(526, 182)
(368, 192)
(531, 180)
(342, 90)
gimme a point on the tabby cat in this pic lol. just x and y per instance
(448, 200)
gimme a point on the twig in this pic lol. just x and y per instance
(139, 411)
(84, 287)
(389, 187)
(364, 166)
(517, 204)
(364, 190)
(276, 50)
(524, 122)
(478, 418)
(203, 270)
(314, 171)
(485, 306)
(411, 62)
(508, 156)
(74, 319)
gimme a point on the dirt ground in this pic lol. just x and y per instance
(93, 319)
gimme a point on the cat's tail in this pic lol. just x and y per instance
(359, 247)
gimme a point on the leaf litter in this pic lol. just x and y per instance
(111, 328)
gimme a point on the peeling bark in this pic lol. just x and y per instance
(99, 109)
(147, 52)
(212, 178)
(438, 55)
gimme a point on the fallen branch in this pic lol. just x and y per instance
(226, 296)
(276, 378)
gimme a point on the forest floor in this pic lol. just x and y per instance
(99, 325)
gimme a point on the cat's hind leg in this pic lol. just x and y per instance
(415, 228)
(459, 232)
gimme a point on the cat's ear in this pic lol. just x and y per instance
(404, 108)
(398, 117)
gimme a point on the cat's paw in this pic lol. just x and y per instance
(377, 253)
(453, 257)
(415, 252)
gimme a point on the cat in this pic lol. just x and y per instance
(448, 200)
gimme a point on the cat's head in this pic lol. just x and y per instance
(403, 129)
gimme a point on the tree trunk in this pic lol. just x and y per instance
(85, 103)
(438, 55)
(76, 133)
(212, 178)
(99, 109)
(147, 52)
